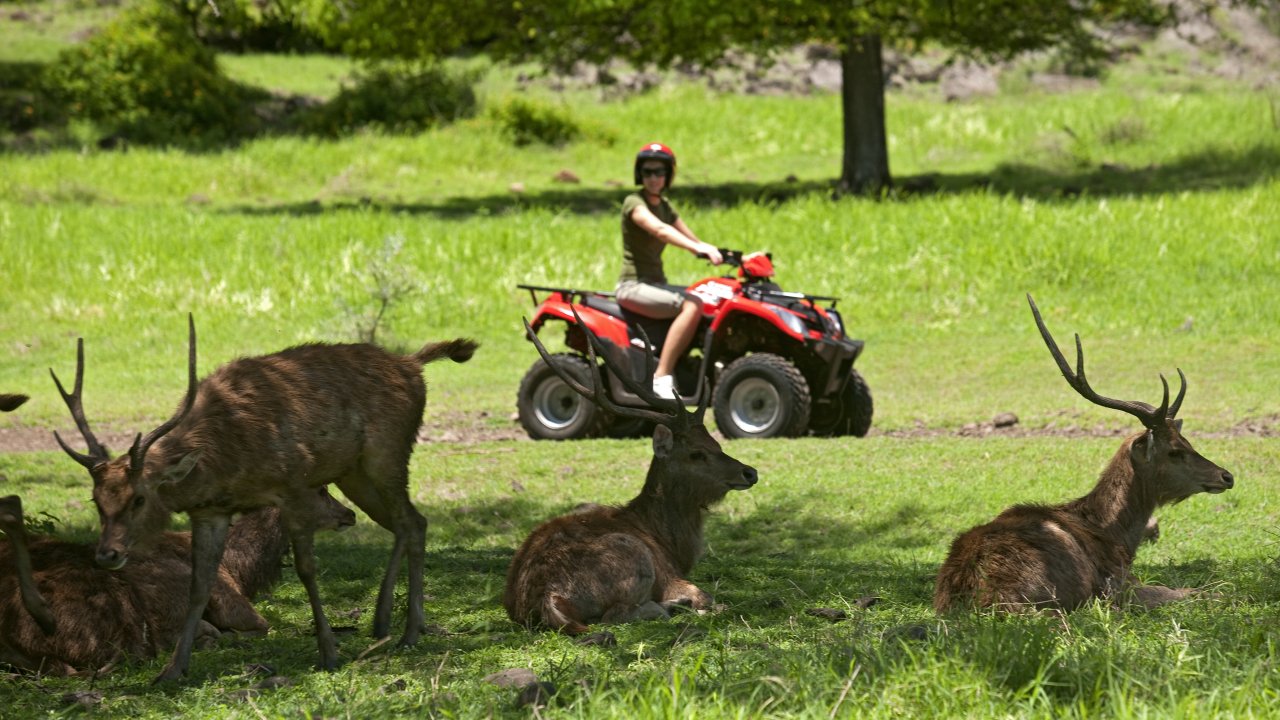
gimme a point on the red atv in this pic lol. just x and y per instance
(779, 365)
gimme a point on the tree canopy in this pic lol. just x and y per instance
(560, 33)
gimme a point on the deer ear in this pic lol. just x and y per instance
(182, 468)
(1177, 424)
(1143, 447)
(663, 441)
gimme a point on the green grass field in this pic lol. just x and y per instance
(1143, 214)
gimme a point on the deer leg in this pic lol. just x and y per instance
(394, 511)
(619, 580)
(647, 610)
(681, 593)
(304, 563)
(11, 524)
(387, 591)
(230, 610)
(208, 536)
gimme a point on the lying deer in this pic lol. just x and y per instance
(619, 564)
(268, 431)
(60, 612)
(1062, 556)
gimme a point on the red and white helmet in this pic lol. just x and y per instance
(661, 153)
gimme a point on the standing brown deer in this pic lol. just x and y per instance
(619, 564)
(1061, 556)
(268, 431)
(60, 612)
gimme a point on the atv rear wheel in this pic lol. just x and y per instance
(849, 413)
(761, 396)
(550, 410)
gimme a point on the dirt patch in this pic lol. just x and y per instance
(464, 428)
(469, 428)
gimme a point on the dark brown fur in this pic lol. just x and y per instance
(267, 431)
(618, 564)
(1062, 556)
(102, 616)
(9, 402)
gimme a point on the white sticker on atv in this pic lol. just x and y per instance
(713, 292)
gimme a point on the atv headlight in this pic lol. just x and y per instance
(837, 322)
(793, 323)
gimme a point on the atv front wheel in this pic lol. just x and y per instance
(550, 410)
(849, 413)
(761, 396)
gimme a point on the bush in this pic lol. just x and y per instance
(24, 103)
(249, 25)
(146, 78)
(526, 121)
(398, 100)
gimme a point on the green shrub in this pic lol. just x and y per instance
(147, 78)
(250, 25)
(526, 121)
(24, 103)
(398, 100)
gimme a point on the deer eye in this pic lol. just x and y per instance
(697, 456)
(138, 502)
(1177, 454)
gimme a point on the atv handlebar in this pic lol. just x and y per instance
(729, 257)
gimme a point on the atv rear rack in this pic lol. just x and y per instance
(571, 293)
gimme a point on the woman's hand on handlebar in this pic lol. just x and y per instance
(710, 252)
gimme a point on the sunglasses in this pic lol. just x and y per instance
(653, 172)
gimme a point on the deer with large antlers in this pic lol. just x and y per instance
(619, 564)
(60, 612)
(1061, 556)
(268, 431)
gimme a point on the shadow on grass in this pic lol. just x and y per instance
(1214, 169)
(780, 557)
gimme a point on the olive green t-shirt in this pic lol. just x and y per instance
(642, 252)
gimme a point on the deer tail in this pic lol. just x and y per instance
(558, 613)
(458, 350)
(9, 403)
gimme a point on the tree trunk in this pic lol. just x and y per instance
(865, 169)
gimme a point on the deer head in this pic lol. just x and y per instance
(1161, 453)
(129, 508)
(687, 461)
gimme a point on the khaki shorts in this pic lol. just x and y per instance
(659, 302)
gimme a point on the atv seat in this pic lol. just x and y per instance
(655, 329)
(604, 305)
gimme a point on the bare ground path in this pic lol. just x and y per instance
(476, 427)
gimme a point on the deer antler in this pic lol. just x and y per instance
(673, 411)
(97, 453)
(138, 452)
(1152, 418)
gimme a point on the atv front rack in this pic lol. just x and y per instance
(780, 294)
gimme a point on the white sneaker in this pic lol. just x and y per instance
(664, 387)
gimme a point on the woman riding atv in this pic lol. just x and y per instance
(649, 224)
